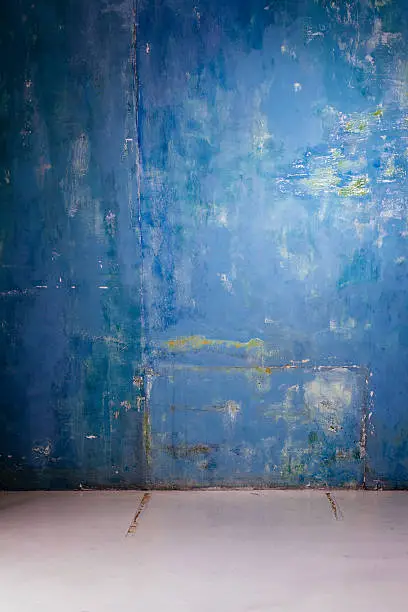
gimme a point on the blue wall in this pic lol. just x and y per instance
(69, 251)
(274, 151)
(203, 243)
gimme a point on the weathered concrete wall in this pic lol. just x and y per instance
(70, 247)
(204, 243)
(274, 153)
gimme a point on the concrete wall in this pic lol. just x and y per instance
(203, 243)
(70, 251)
(274, 155)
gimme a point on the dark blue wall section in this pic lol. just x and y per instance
(203, 243)
(274, 141)
(69, 246)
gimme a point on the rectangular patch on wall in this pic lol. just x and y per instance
(254, 426)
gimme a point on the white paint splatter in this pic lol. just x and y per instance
(227, 283)
(232, 408)
(330, 395)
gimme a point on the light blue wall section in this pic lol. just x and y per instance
(274, 141)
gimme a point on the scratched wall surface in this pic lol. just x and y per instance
(258, 426)
(69, 246)
(274, 208)
(203, 243)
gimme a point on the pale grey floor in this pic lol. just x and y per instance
(204, 551)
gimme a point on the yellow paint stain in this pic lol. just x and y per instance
(188, 343)
(322, 180)
(356, 127)
(360, 123)
(356, 188)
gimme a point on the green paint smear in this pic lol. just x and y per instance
(356, 127)
(357, 188)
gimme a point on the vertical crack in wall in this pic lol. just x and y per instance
(136, 175)
(137, 224)
(363, 434)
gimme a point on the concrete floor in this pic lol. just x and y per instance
(237, 551)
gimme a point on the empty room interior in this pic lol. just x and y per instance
(203, 305)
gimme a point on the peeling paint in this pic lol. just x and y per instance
(44, 450)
